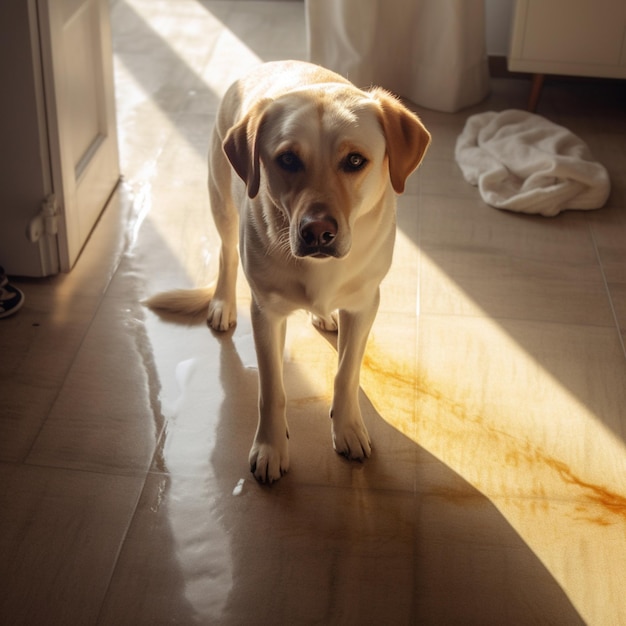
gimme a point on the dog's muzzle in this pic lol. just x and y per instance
(317, 237)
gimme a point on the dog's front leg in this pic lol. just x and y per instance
(350, 436)
(269, 456)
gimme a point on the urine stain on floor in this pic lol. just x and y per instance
(385, 377)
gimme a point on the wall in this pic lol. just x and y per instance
(499, 14)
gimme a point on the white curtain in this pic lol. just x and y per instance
(431, 52)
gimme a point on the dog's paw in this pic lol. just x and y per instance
(222, 314)
(269, 462)
(351, 439)
(329, 324)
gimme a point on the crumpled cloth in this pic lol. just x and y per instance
(523, 162)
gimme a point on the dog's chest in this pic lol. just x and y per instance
(320, 290)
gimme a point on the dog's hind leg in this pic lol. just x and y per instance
(328, 324)
(269, 455)
(222, 313)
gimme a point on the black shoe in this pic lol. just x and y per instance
(11, 298)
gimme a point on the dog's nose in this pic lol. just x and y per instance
(318, 231)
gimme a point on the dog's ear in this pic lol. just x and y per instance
(407, 138)
(241, 146)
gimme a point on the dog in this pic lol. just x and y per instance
(304, 168)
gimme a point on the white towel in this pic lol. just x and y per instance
(523, 162)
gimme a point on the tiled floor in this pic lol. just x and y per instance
(494, 390)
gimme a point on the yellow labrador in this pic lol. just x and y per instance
(322, 162)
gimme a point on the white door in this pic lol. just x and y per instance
(77, 64)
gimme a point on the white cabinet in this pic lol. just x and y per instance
(572, 37)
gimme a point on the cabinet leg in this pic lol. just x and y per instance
(535, 91)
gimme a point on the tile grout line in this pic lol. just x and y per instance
(120, 547)
(607, 288)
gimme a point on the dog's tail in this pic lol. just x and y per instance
(190, 302)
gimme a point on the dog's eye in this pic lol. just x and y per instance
(354, 162)
(290, 162)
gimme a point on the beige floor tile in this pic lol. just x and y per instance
(281, 556)
(107, 416)
(60, 535)
(471, 223)
(609, 149)
(24, 410)
(163, 50)
(268, 30)
(504, 574)
(477, 260)
(565, 534)
(44, 337)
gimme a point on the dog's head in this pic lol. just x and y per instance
(325, 155)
